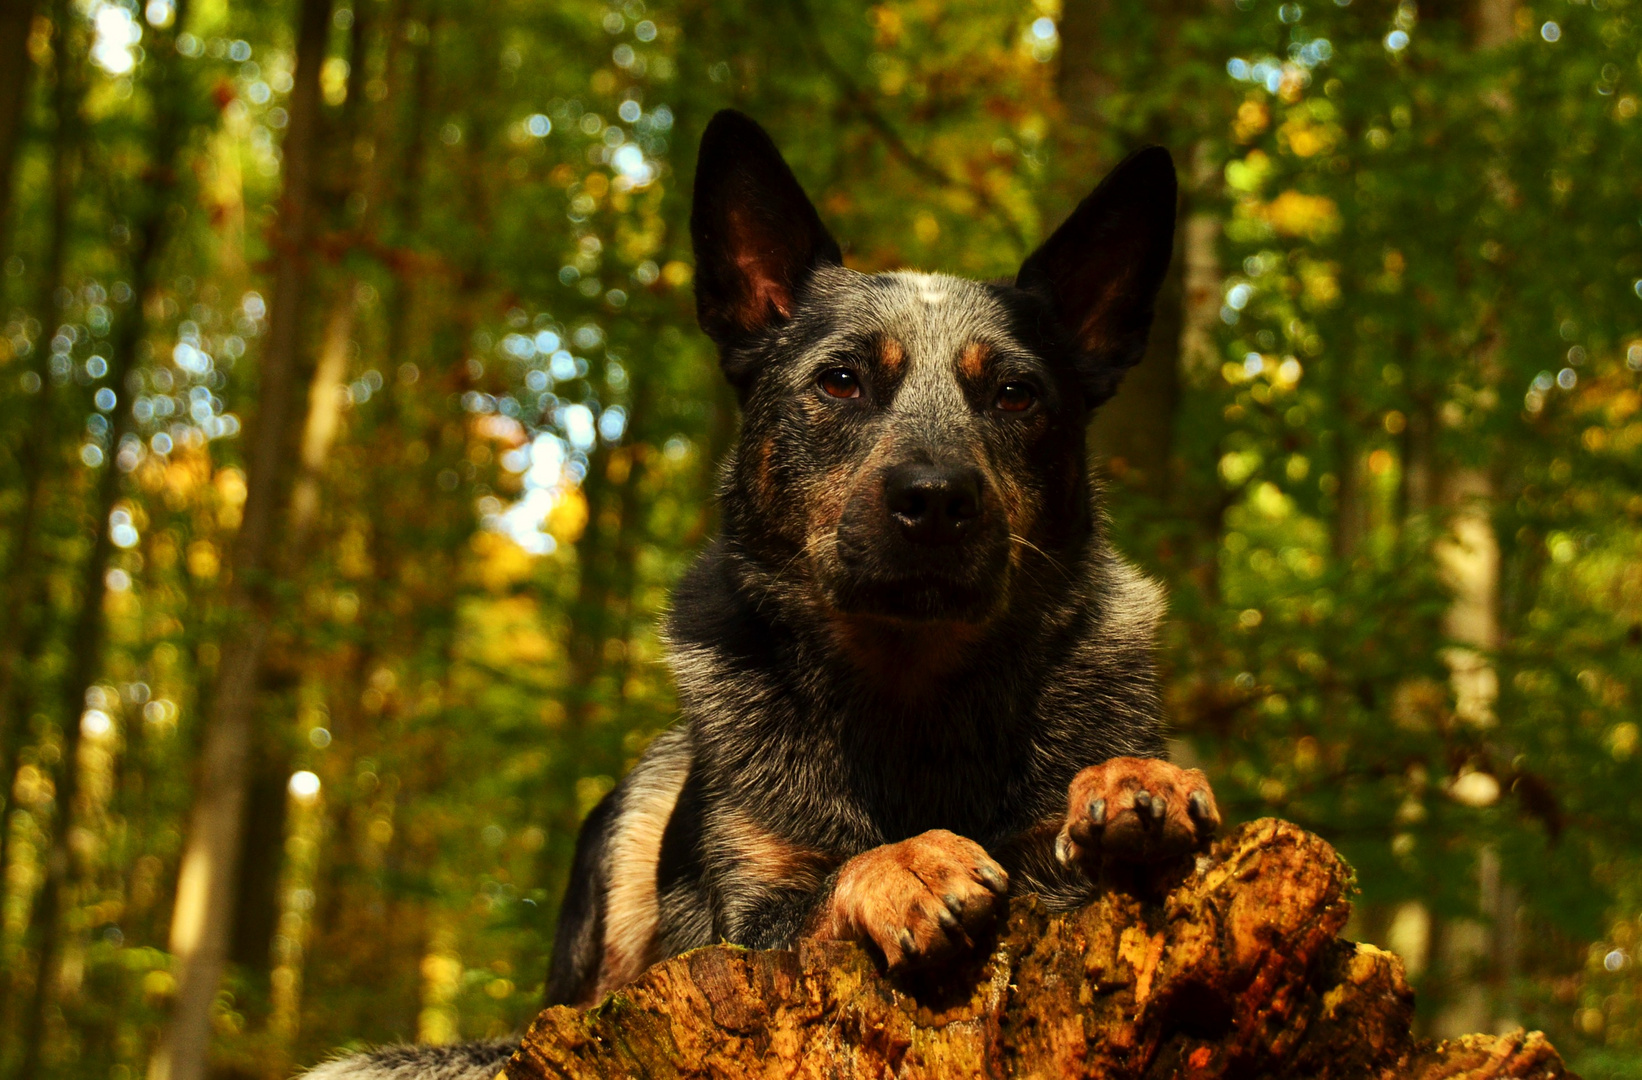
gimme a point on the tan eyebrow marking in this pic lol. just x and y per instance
(973, 360)
(893, 355)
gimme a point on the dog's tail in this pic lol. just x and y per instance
(456, 1061)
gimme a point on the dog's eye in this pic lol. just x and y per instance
(1015, 397)
(841, 383)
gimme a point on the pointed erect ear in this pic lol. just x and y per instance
(1102, 268)
(756, 235)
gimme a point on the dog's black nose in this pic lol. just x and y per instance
(932, 504)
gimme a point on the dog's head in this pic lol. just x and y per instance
(908, 438)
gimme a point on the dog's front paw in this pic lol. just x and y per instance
(1135, 811)
(922, 901)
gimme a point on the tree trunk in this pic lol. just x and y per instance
(1471, 952)
(88, 627)
(257, 881)
(330, 374)
(1197, 367)
(203, 916)
(1236, 972)
(1134, 433)
(319, 428)
(605, 544)
(351, 864)
(1080, 81)
(37, 455)
(1200, 269)
(16, 21)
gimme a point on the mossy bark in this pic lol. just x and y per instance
(1237, 972)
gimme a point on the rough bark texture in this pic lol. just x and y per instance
(1237, 972)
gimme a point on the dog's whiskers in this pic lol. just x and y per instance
(1015, 538)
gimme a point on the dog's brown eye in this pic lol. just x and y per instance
(1015, 397)
(841, 383)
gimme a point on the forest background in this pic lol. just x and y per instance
(354, 424)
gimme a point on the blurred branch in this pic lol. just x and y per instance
(861, 100)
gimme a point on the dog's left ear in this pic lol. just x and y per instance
(1102, 268)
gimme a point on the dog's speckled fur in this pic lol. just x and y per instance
(847, 682)
(842, 689)
(458, 1061)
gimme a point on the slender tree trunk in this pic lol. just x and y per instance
(24, 575)
(87, 633)
(605, 554)
(1349, 522)
(203, 917)
(1472, 953)
(16, 21)
(319, 428)
(330, 373)
(1134, 433)
(257, 902)
(350, 863)
(1198, 371)
(637, 451)
(590, 611)
(1081, 82)
(1469, 559)
(1418, 489)
(1200, 268)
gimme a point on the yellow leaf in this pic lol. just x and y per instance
(502, 563)
(1295, 214)
(568, 518)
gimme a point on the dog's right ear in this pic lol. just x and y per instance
(1102, 268)
(757, 237)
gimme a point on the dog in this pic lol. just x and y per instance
(914, 677)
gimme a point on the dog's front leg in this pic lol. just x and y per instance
(922, 901)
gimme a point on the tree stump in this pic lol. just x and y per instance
(1237, 972)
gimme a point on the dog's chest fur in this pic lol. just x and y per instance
(789, 731)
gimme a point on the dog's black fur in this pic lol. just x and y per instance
(912, 619)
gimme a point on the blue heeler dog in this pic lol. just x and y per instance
(914, 675)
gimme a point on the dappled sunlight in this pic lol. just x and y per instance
(1385, 454)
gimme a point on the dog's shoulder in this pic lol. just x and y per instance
(1127, 604)
(1100, 693)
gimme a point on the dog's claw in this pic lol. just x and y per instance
(994, 879)
(921, 902)
(1063, 849)
(1197, 804)
(1096, 812)
(1143, 803)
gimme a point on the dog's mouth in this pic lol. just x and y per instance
(920, 598)
(869, 576)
